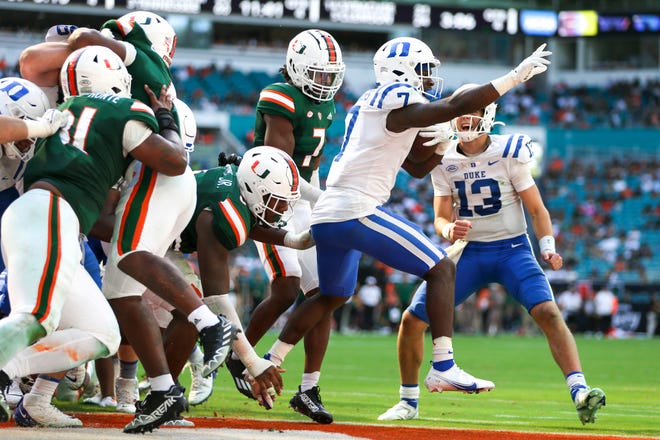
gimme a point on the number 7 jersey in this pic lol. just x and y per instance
(310, 120)
(485, 187)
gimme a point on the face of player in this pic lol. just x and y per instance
(470, 121)
(322, 78)
(275, 209)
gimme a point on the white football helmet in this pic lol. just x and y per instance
(94, 69)
(22, 99)
(159, 32)
(187, 124)
(470, 127)
(314, 64)
(408, 60)
(269, 182)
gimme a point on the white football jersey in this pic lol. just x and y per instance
(485, 187)
(11, 171)
(364, 171)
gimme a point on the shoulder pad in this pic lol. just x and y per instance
(519, 147)
(396, 95)
(278, 96)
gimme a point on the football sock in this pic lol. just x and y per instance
(128, 370)
(409, 393)
(161, 383)
(202, 317)
(45, 386)
(575, 382)
(309, 380)
(443, 353)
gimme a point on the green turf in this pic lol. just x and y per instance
(360, 381)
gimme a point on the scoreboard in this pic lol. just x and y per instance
(377, 14)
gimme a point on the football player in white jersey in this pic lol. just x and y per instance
(480, 189)
(349, 219)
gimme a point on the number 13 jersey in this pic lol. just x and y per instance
(485, 187)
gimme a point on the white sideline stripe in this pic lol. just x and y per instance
(172, 433)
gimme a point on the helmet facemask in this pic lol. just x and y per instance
(269, 183)
(470, 127)
(322, 84)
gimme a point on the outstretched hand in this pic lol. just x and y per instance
(532, 65)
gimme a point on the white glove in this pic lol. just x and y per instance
(532, 65)
(438, 133)
(302, 240)
(46, 125)
(60, 32)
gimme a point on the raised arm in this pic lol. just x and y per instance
(424, 115)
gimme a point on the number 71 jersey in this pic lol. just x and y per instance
(484, 188)
(86, 157)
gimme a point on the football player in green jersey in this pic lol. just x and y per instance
(294, 116)
(151, 204)
(234, 203)
(67, 181)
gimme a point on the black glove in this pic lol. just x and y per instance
(226, 159)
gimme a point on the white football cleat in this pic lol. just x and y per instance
(32, 411)
(126, 393)
(455, 379)
(201, 387)
(400, 411)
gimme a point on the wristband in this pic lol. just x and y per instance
(504, 83)
(547, 244)
(131, 53)
(166, 120)
(447, 230)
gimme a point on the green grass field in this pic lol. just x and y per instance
(360, 381)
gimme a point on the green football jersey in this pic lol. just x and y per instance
(148, 68)
(217, 190)
(310, 120)
(84, 159)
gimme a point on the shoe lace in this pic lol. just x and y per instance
(315, 394)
